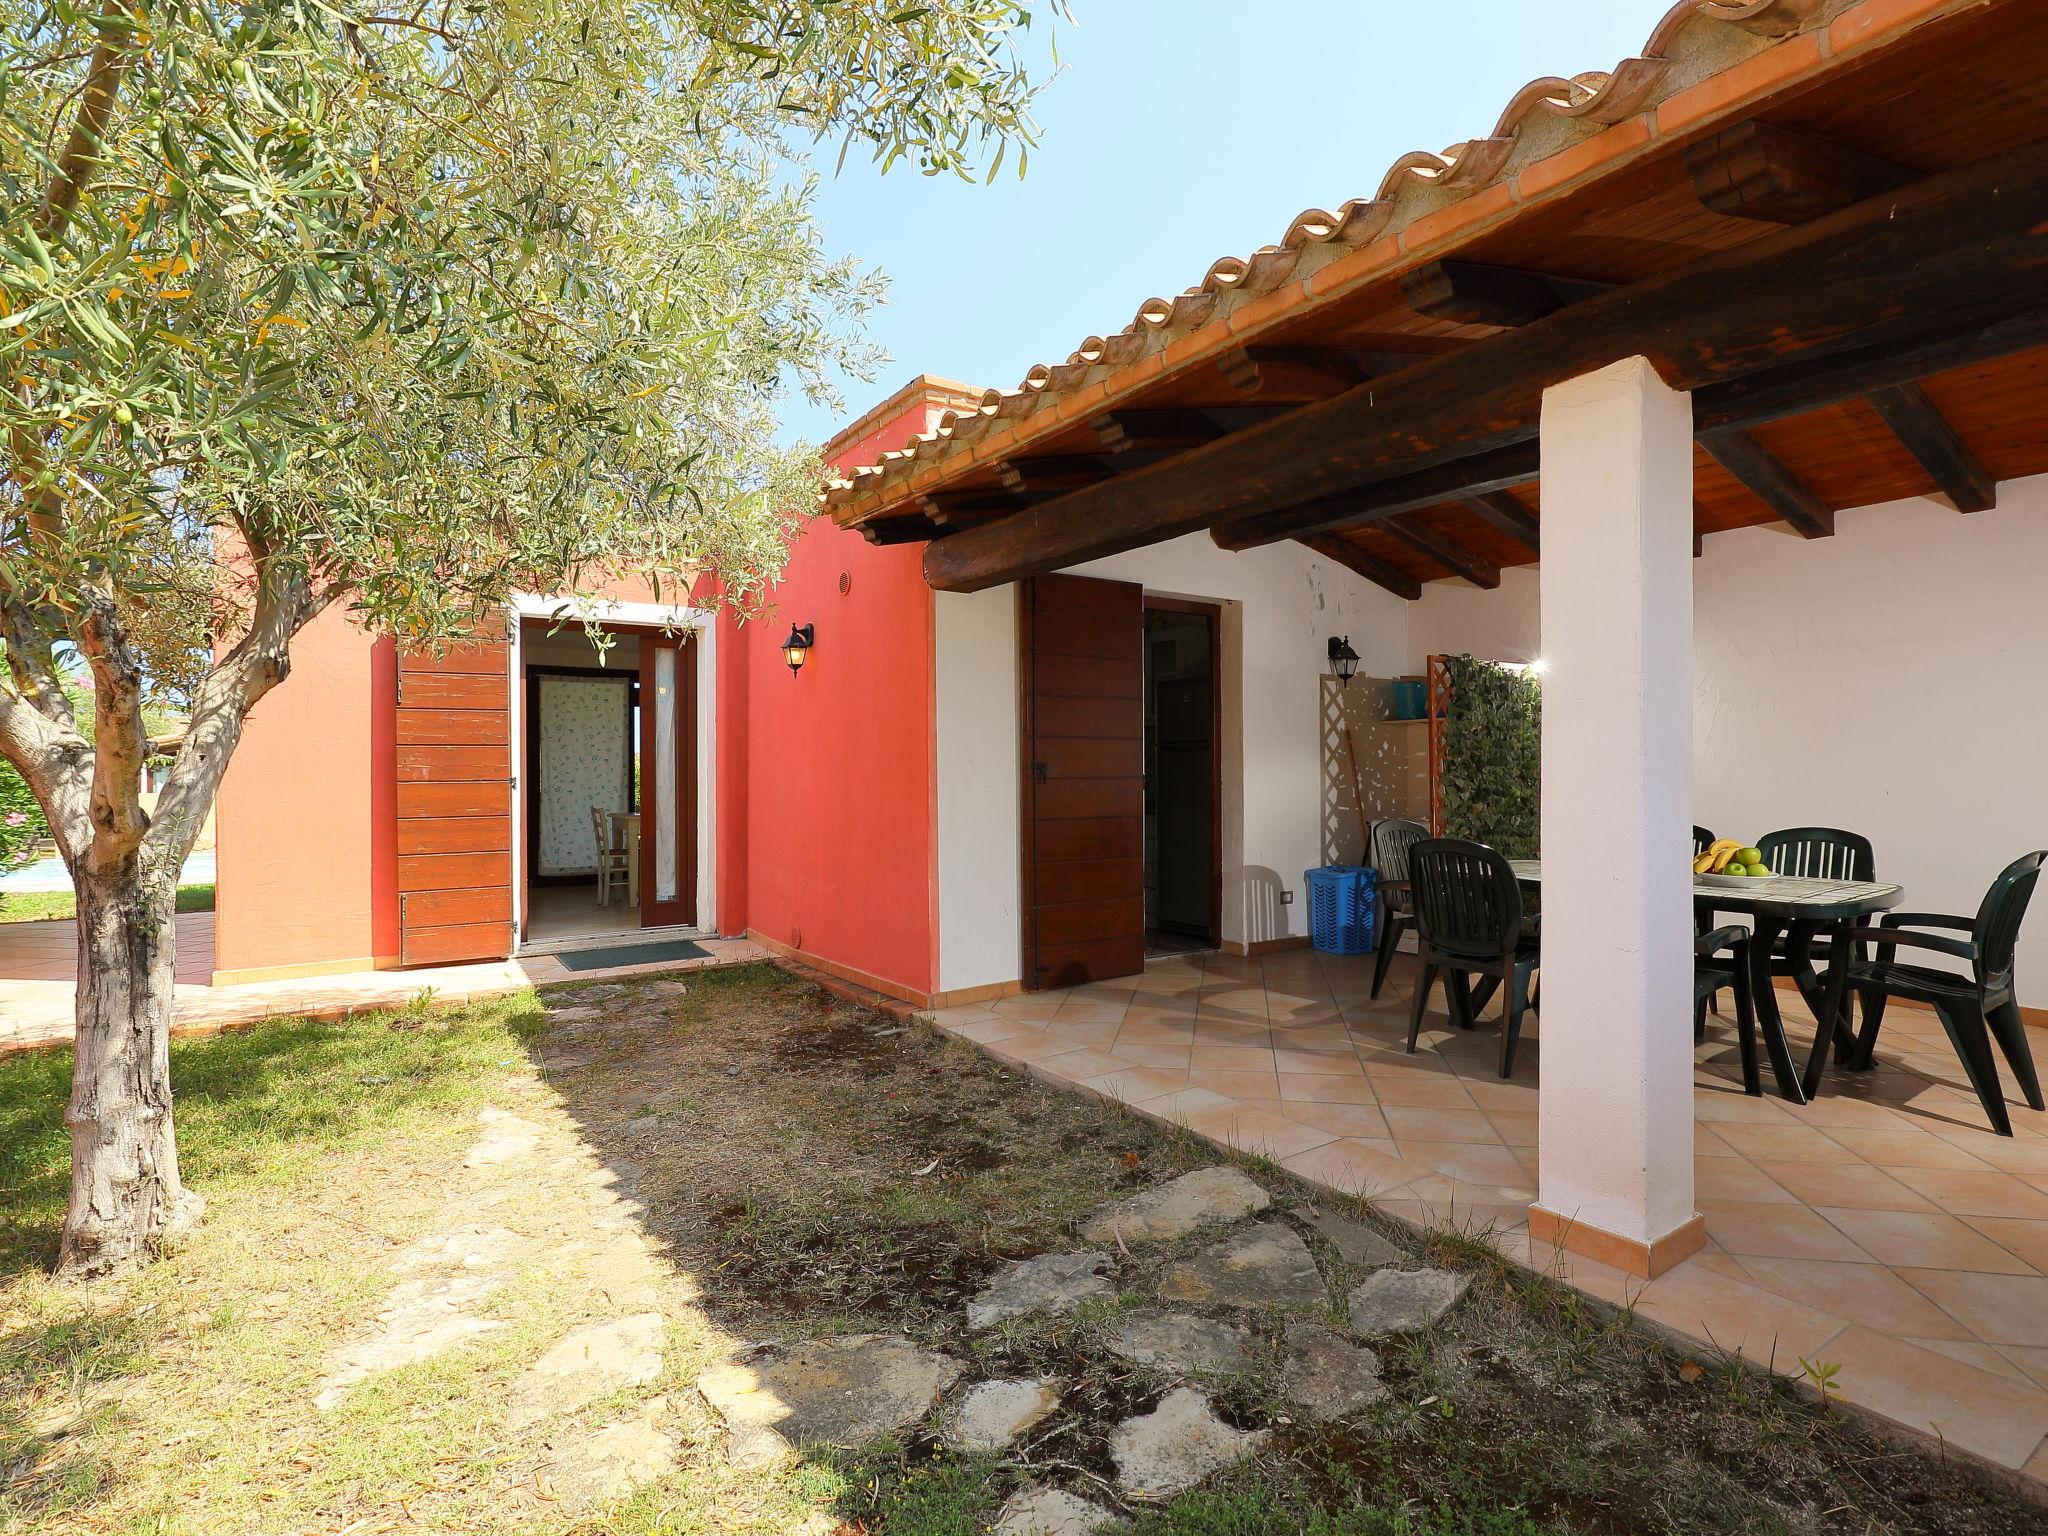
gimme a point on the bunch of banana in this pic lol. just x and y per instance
(1717, 857)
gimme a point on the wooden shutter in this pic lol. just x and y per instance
(1083, 672)
(455, 805)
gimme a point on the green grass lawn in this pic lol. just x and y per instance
(800, 1168)
(45, 906)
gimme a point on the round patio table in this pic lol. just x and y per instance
(1800, 910)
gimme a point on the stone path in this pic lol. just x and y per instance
(847, 1392)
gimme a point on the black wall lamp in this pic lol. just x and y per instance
(1343, 659)
(797, 648)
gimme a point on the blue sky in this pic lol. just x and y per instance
(1180, 131)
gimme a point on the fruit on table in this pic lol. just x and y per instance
(1727, 856)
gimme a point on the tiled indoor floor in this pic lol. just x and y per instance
(1882, 1228)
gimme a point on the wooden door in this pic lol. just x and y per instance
(1083, 674)
(455, 805)
(668, 780)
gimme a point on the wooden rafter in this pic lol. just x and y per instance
(1507, 515)
(1758, 171)
(1371, 567)
(1515, 464)
(1918, 423)
(1771, 482)
(1472, 293)
(1448, 553)
(1791, 321)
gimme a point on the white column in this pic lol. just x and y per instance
(1616, 1126)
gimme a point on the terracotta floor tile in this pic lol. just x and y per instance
(1999, 1309)
(1400, 1086)
(990, 1028)
(1922, 1239)
(1868, 1294)
(1902, 1148)
(1330, 1063)
(1722, 1107)
(1982, 1413)
(1252, 1087)
(1843, 1183)
(1324, 1088)
(1032, 1005)
(1160, 1022)
(1261, 1131)
(1069, 1066)
(1737, 1317)
(1133, 1085)
(2025, 1158)
(1988, 1358)
(1342, 1119)
(1760, 1229)
(2033, 1362)
(1736, 1178)
(2023, 1238)
(1042, 1044)
(1353, 1166)
(1964, 1192)
(1788, 1143)
(1428, 1122)
(1215, 1032)
(1148, 1053)
(1231, 1058)
(1472, 1162)
(1094, 1036)
(1090, 1013)
(1188, 1101)
(1491, 1095)
(1517, 1130)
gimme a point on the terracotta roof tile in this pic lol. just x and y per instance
(1703, 55)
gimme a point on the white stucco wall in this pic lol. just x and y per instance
(1281, 605)
(1892, 680)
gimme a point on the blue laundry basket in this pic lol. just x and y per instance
(1343, 908)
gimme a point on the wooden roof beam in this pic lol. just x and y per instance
(1448, 553)
(1918, 423)
(1506, 515)
(1758, 171)
(1898, 287)
(1307, 372)
(1472, 293)
(1516, 464)
(1771, 482)
(1357, 561)
(1054, 472)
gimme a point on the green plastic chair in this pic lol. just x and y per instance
(1974, 1009)
(1391, 840)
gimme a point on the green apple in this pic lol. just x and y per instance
(1749, 856)
(1734, 867)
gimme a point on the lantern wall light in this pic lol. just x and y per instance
(1343, 659)
(797, 648)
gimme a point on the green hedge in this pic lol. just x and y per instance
(1493, 755)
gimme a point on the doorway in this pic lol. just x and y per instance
(1183, 800)
(609, 815)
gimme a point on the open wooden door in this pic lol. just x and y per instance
(668, 780)
(455, 805)
(1083, 675)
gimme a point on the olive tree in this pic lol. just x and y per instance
(402, 306)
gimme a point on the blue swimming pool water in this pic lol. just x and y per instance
(50, 875)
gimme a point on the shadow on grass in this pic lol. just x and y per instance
(254, 1108)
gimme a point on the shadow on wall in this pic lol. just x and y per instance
(1265, 915)
(1382, 770)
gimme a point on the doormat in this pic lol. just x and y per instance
(632, 954)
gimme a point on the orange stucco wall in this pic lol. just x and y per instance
(823, 782)
(297, 858)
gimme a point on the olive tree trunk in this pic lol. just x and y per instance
(127, 1201)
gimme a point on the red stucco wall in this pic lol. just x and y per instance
(836, 856)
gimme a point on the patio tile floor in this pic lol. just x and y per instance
(1882, 1228)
